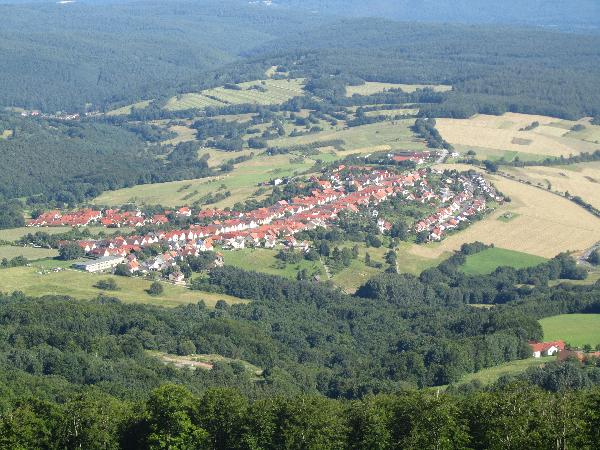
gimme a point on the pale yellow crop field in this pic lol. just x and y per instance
(579, 179)
(502, 134)
(373, 87)
(545, 224)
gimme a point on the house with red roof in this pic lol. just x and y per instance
(540, 349)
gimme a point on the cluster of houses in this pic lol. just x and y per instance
(457, 208)
(343, 189)
(111, 218)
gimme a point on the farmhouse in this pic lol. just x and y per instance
(540, 349)
(100, 264)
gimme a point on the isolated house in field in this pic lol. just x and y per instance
(540, 349)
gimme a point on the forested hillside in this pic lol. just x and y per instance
(492, 70)
(64, 56)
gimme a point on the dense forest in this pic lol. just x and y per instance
(492, 70)
(335, 371)
(90, 54)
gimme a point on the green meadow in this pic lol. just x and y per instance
(575, 329)
(488, 260)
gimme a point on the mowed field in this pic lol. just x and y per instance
(492, 374)
(36, 282)
(575, 329)
(264, 260)
(493, 137)
(377, 137)
(31, 253)
(373, 87)
(544, 224)
(276, 92)
(488, 260)
(577, 179)
(242, 182)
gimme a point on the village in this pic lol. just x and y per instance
(358, 189)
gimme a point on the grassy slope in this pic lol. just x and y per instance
(264, 260)
(492, 374)
(576, 329)
(242, 182)
(31, 253)
(488, 260)
(35, 282)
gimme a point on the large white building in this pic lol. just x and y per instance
(100, 264)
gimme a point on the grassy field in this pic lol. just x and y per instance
(264, 260)
(382, 136)
(492, 374)
(5, 134)
(575, 329)
(488, 260)
(276, 92)
(373, 87)
(545, 224)
(501, 134)
(590, 133)
(242, 183)
(127, 109)
(36, 282)
(31, 253)
(578, 179)
(13, 234)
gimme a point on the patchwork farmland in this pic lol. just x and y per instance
(508, 136)
(262, 92)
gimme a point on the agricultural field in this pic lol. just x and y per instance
(488, 260)
(275, 92)
(184, 134)
(581, 179)
(264, 260)
(493, 136)
(382, 136)
(575, 329)
(125, 110)
(544, 224)
(373, 87)
(241, 182)
(31, 253)
(13, 234)
(492, 374)
(36, 281)
(590, 133)
(393, 112)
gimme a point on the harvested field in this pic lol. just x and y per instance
(544, 225)
(372, 87)
(503, 133)
(579, 179)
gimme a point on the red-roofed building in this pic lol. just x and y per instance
(540, 349)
